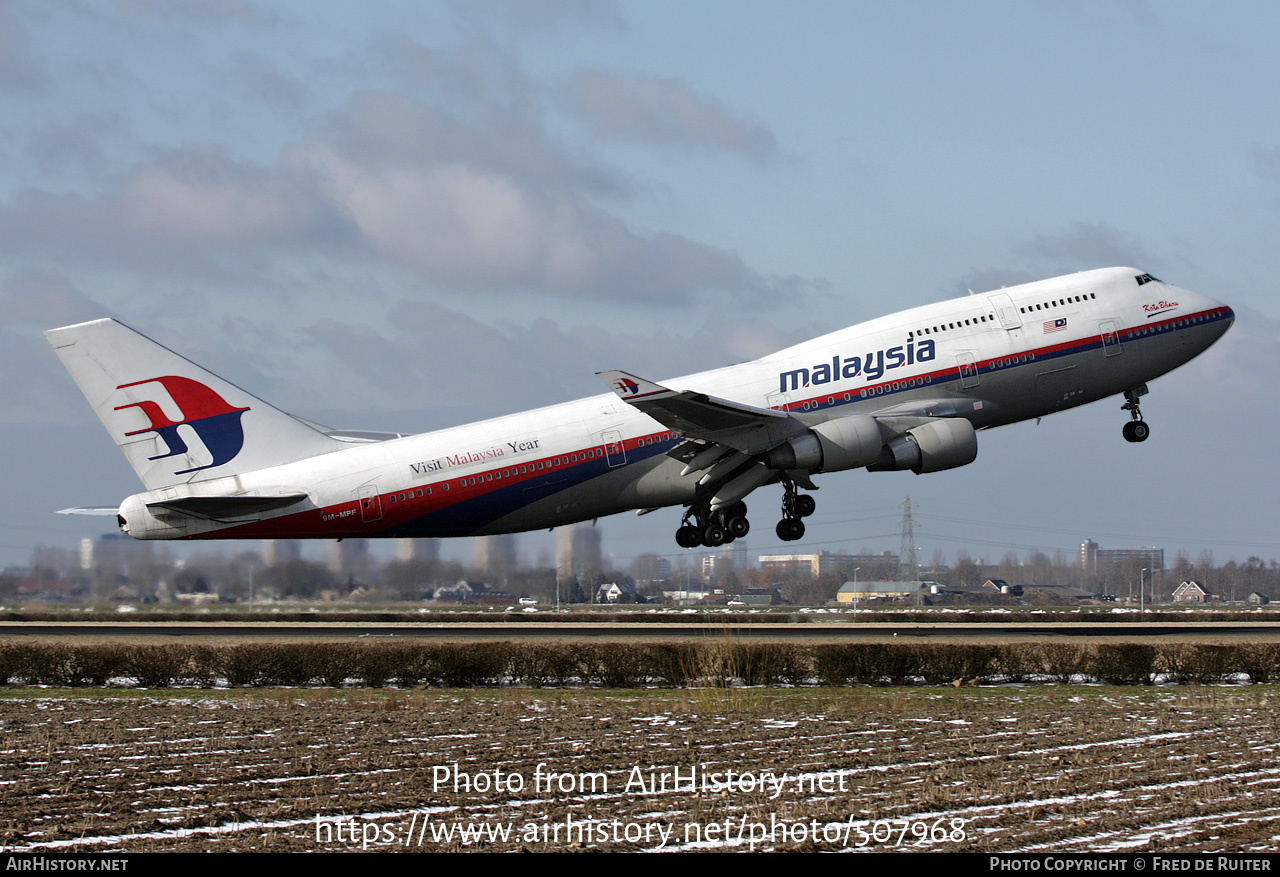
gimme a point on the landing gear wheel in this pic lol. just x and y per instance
(688, 536)
(714, 536)
(803, 505)
(790, 529)
(1136, 431)
(739, 527)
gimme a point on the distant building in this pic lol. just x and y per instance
(790, 565)
(277, 551)
(349, 557)
(113, 553)
(1000, 586)
(578, 554)
(1190, 592)
(873, 590)
(1108, 563)
(115, 559)
(417, 549)
(648, 569)
(869, 566)
(495, 556)
(1257, 599)
(617, 592)
(824, 563)
(757, 597)
(464, 591)
(685, 597)
(732, 558)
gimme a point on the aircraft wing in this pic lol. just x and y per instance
(743, 428)
(976, 410)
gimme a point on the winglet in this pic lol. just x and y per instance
(631, 388)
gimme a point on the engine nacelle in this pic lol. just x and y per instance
(844, 443)
(931, 447)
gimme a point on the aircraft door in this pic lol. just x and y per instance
(1006, 310)
(615, 452)
(370, 503)
(1110, 338)
(968, 371)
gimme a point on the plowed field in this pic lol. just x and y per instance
(1047, 769)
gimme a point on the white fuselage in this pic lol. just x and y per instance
(997, 358)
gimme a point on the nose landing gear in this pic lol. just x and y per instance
(1136, 430)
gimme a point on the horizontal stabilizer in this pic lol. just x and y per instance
(223, 507)
(91, 510)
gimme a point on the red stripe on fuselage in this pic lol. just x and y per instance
(343, 520)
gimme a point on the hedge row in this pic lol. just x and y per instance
(657, 615)
(624, 665)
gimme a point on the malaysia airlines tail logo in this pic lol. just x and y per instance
(626, 386)
(212, 419)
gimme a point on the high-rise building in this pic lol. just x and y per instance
(1109, 563)
(785, 565)
(277, 551)
(736, 558)
(349, 558)
(114, 553)
(649, 568)
(578, 554)
(495, 557)
(417, 549)
(732, 558)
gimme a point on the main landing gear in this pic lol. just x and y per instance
(795, 506)
(1136, 430)
(701, 526)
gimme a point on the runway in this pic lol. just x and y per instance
(1206, 631)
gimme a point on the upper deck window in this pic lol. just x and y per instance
(1147, 278)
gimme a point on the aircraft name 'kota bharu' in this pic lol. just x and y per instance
(908, 391)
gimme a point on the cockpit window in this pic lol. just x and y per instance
(1146, 278)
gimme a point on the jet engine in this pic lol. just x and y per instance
(931, 447)
(833, 446)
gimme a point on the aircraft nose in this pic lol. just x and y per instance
(1220, 314)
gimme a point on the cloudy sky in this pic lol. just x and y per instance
(412, 215)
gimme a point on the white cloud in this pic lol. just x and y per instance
(1086, 245)
(442, 358)
(662, 112)
(19, 70)
(182, 206)
(44, 300)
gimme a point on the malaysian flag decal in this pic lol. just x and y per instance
(1055, 325)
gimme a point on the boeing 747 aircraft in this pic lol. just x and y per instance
(908, 391)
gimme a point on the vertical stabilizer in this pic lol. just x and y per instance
(174, 421)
